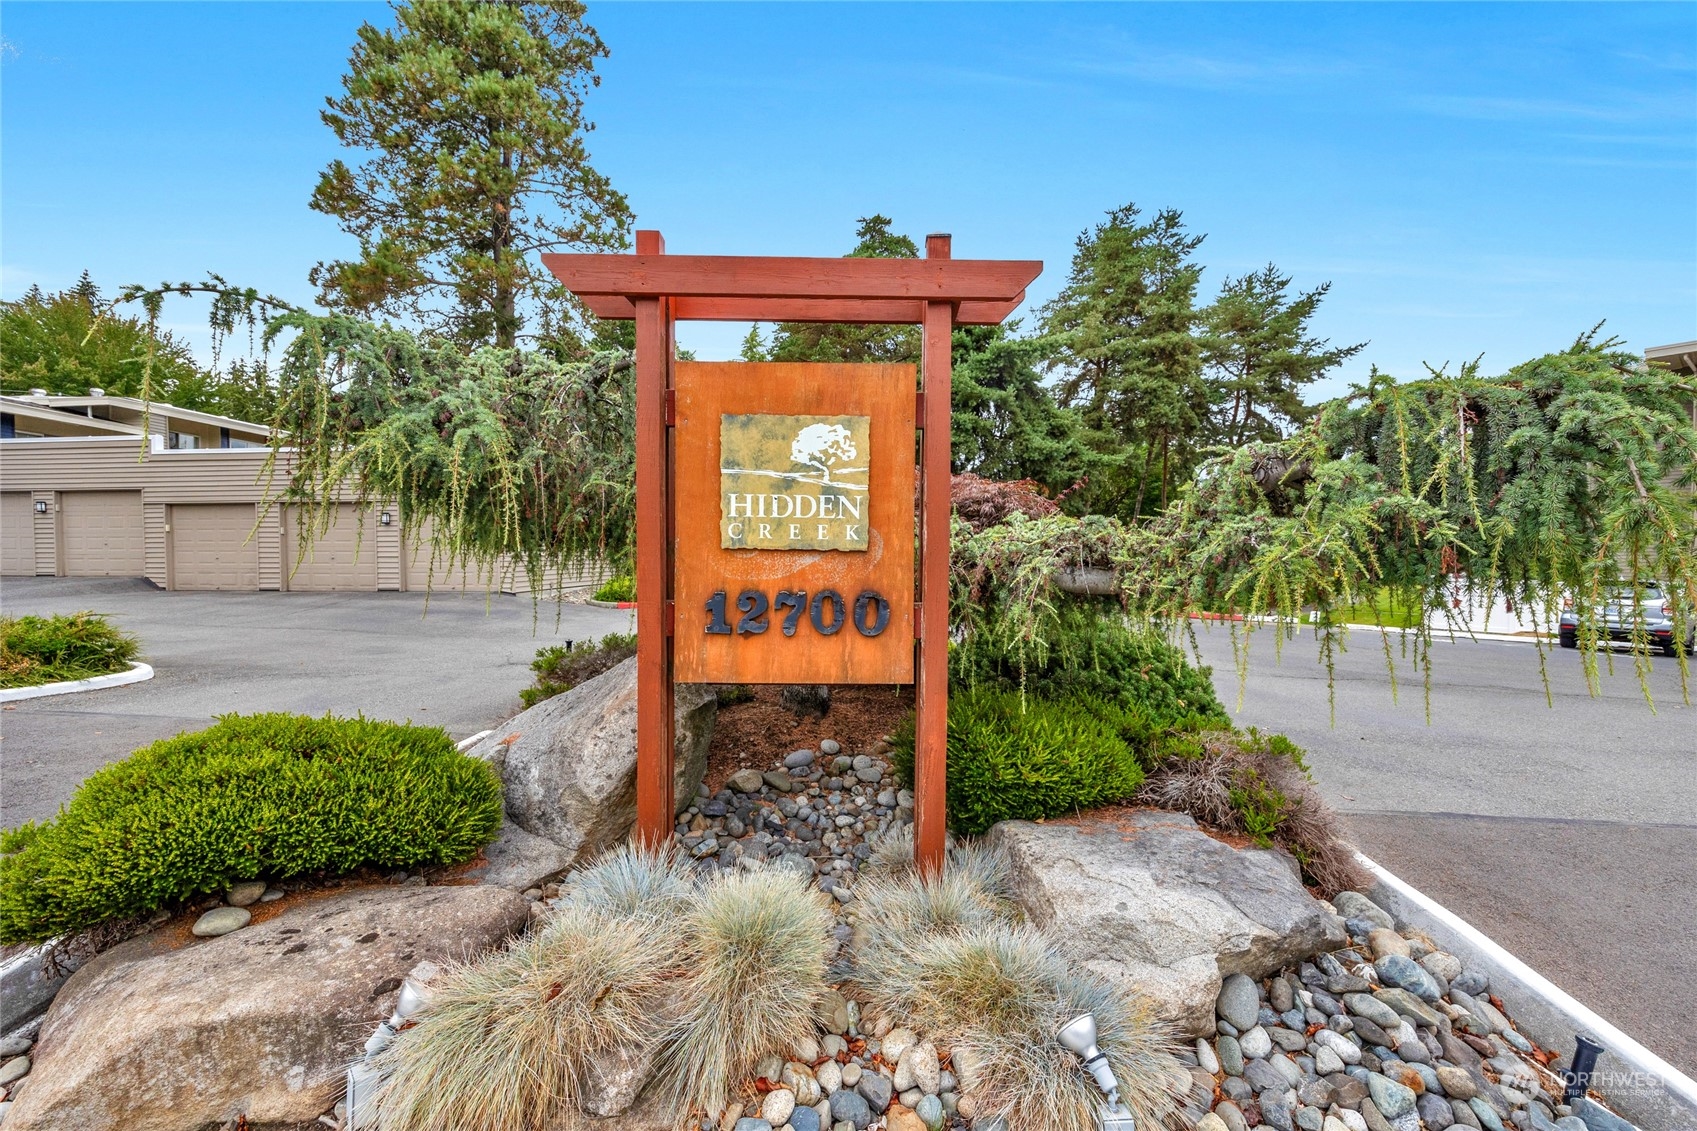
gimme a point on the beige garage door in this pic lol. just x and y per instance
(102, 533)
(17, 534)
(333, 563)
(210, 547)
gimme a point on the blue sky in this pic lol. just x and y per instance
(1471, 179)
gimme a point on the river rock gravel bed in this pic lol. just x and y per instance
(1390, 1034)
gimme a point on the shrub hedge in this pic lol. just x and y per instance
(562, 667)
(37, 650)
(619, 588)
(1101, 657)
(255, 796)
(1014, 757)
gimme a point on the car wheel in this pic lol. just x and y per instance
(1569, 641)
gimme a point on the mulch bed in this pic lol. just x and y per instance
(760, 732)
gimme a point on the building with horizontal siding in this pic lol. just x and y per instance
(111, 487)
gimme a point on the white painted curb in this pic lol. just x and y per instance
(137, 673)
(1663, 1097)
(468, 743)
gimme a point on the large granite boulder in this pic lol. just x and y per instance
(568, 766)
(261, 1022)
(1155, 905)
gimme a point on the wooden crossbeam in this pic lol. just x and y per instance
(780, 277)
(843, 310)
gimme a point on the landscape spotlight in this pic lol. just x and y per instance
(363, 1076)
(1078, 1037)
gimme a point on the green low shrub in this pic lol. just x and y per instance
(253, 796)
(1014, 757)
(620, 588)
(38, 650)
(1101, 657)
(562, 667)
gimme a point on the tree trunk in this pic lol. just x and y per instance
(1166, 454)
(1143, 480)
(506, 301)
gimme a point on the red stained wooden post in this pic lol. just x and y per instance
(654, 353)
(931, 691)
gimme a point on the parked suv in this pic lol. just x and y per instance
(1652, 615)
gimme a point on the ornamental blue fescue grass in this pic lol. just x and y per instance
(640, 961)
(265, 796)
(758, 944)
(948, 955)
(510, 1040)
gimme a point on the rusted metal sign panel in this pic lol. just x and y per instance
(794, 517)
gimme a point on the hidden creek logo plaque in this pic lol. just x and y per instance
(794, 482)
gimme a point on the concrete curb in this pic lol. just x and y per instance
(465, 744)
(1638, 1083)
(137, 673)
(611, 604)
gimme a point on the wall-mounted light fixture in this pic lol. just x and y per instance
(41, 506)
(385, 519)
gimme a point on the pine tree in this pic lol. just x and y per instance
(824, 341)
(1005, 423)
(1128, 357)
(754, 346)
(472, 117)
(1258, 354)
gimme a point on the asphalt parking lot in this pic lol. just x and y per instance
(459, 666)
(1565, 829)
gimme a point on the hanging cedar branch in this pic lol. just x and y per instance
(499, 453)
(1565, 476)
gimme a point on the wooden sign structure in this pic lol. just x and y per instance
(709, 581)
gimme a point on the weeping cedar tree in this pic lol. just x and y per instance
(1128, 359)
(498, 452)
(1569, 474)
(1258, 355)
(470, 120)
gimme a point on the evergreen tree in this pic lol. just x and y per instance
(1006, 424)
(753, 346)
(1127, 352)
(1258, 354)
(470, 119)
(825, 341)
